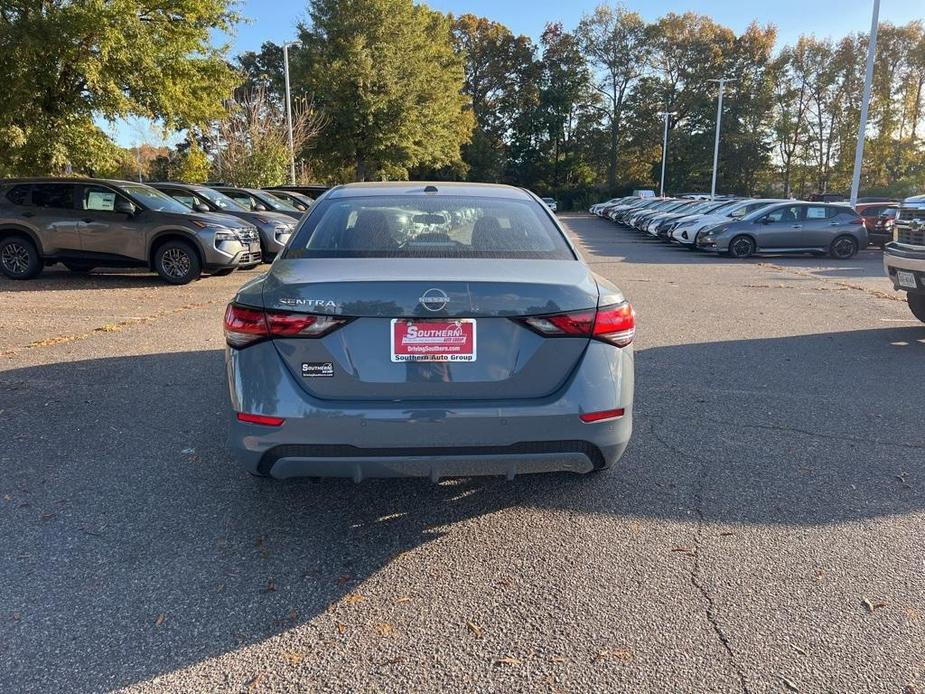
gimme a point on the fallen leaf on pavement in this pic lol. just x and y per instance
(474, 628)
(621, 654)
(403, 598)
(160, 619)
(17, 616)
(507, 660)
(271, 587)
(293, 657)
(353, 598)
(789, 684)
(255, 681)
(341, 629)
(343, 580)
(385, 629)
(686, 550)
(293, 615)
(798, 649)
(870, 606)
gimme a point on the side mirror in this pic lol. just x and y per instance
(124, 207)
(201, 207)
(260, 207)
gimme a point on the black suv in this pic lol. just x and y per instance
(89, 223)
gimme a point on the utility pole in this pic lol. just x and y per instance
(719, 119)
(286, 46)
(865, 104)
(661, 187)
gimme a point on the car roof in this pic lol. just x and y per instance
(67, 179)
(480, 190)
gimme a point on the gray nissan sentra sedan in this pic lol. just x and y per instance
(429, 330)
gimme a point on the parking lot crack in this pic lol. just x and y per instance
(695, 572)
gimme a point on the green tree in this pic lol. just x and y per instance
(386, 77)
(500, 81)
(65, 63)
(618, 47)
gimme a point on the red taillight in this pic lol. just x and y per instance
(591, 417)
(244, 326)
(260, 419)
(615, 324)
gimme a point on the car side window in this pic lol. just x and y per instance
(783, 215)
(246, 200)
(183, 197)
(19, 195)
(99, 199)
(872, 212)
(54, 195)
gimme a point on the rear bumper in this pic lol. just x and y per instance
(285, 462)
(358, 440)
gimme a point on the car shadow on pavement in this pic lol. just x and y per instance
(134, 547)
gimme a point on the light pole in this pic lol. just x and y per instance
(661, 187)
(865, 104)
(286, 46)
(719, 119)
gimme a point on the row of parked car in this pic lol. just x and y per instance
(744, 227)
(178, 230)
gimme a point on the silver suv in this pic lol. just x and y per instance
(904, 257)
(89, 223)
(275, 228)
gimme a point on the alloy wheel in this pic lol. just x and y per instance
(843, 247)
(15, 258)
(176, 262)
(742, 247)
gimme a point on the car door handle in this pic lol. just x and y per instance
(834, 224)
(88, 220)
(28, 214)
(797, 226)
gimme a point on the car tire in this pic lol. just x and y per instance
(843, 248)
(917, 305)
(78, 267)
(741, 247)
(222, 272)
(177, 263)
(19, 258)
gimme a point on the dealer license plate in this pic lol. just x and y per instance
(433, 340)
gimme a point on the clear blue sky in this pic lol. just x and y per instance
(275, 20)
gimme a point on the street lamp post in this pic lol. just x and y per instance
(865, 104)
(661, 187)
(719, 119)
(286, 46)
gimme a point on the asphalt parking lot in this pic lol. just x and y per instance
(763, 533)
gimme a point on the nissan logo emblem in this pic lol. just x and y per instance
(434, 300)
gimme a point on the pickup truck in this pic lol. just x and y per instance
(904, 257)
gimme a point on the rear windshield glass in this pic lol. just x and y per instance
(429, 227)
